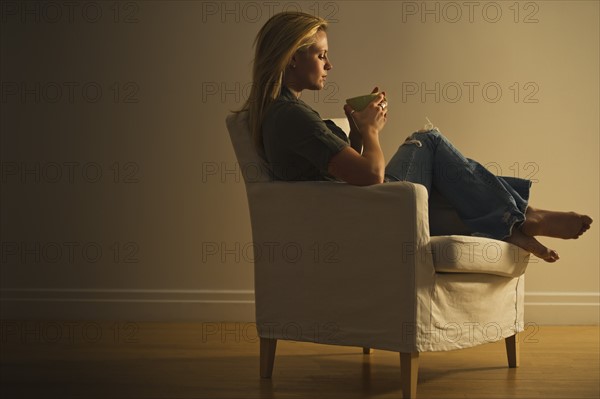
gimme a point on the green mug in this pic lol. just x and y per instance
(359, 103)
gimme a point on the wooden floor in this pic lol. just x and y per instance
(217, 360)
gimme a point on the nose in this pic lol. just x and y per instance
(328, 65)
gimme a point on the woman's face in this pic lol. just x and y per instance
(312, 66)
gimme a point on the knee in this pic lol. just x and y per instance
(432, 135)
(428, 132)
(429, 137)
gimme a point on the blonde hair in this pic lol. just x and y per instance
(275, 44)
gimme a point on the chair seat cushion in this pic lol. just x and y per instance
(469, 254)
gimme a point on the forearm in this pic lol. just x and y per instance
(356, 141)
(373, 154)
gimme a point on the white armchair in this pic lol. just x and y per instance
(356, 266)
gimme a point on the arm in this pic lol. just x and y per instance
(367, 167)
(360, 169)
(356, 140)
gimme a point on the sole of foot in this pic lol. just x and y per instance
(565, 225)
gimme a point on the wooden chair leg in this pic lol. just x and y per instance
(267, 356)
(512, 350)
(366, 351)
(409, 369)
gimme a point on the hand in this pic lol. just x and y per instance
(372, 119)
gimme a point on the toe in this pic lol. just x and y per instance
(553, 256)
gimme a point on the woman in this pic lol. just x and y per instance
(291, 56)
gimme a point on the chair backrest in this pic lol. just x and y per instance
(253, 167)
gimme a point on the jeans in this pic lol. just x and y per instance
(489, 205)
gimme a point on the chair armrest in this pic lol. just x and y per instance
(363, 219)
(330, 252)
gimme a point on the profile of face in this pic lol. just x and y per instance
(308, 68)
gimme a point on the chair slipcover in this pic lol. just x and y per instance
(356, 265)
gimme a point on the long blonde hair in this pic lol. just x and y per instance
(275, 44)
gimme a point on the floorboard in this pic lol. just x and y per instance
(60, 359)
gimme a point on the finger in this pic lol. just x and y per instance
(375, 102)
(348, 109)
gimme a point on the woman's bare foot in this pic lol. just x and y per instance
(539, 222)
(532, 245)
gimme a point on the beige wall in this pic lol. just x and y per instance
(169, 72)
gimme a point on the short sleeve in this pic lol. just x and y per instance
(303, 133)
(310, 138)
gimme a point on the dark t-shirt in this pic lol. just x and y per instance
(298, 143)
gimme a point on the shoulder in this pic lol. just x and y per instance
(292, 112)
(338, 131)
(289, 118)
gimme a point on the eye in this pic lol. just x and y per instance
(322, 56)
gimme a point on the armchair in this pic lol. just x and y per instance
(325, 272)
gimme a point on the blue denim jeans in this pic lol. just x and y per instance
(489, 205)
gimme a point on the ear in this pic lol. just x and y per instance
(294, 60)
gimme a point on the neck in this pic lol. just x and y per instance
(295, 92)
